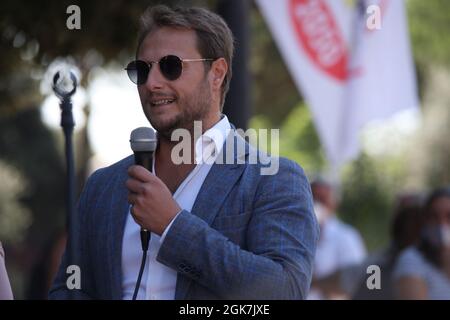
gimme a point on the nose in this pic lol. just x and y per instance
(155, 79)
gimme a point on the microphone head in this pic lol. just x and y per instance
(64, 83)
(143, 139)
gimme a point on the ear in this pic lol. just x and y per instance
(218, 71)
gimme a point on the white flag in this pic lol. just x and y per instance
(352, 63)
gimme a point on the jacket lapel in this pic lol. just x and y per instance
(119, 211)
(216, 187)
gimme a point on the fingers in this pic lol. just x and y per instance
(132, 198)
(135, 186)
(138, 184)
(140, 173)
(138, 192)
(135, 214)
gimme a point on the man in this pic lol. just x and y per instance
(219, 231)
(340, 245)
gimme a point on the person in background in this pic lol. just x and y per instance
(423, 270)
(404, 232)
(351, 280)
(340, 245)
(5, 287)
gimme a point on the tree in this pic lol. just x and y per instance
(429, 25)
(33, 35)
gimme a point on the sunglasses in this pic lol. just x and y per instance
(170, 66)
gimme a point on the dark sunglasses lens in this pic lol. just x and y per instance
(171, 67)
(138, 71)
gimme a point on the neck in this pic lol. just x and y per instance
(210, 121)
(165, 145)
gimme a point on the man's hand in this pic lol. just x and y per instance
(152, 204)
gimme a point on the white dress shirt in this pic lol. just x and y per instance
(340, 246)
(158, 281)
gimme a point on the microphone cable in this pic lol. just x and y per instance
(145, 239)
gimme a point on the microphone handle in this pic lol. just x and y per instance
(145, 239)
(145, 159)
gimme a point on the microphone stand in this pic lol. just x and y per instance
(67, 124)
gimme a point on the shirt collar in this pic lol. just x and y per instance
(210, 143)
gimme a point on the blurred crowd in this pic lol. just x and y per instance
(415, 264)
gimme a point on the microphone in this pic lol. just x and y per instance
(143, 143)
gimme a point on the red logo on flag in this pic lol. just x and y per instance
(320, 36)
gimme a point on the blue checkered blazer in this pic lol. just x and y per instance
(248, 236)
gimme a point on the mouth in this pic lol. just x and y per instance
(161, 102)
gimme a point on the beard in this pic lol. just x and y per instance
(194, 107)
